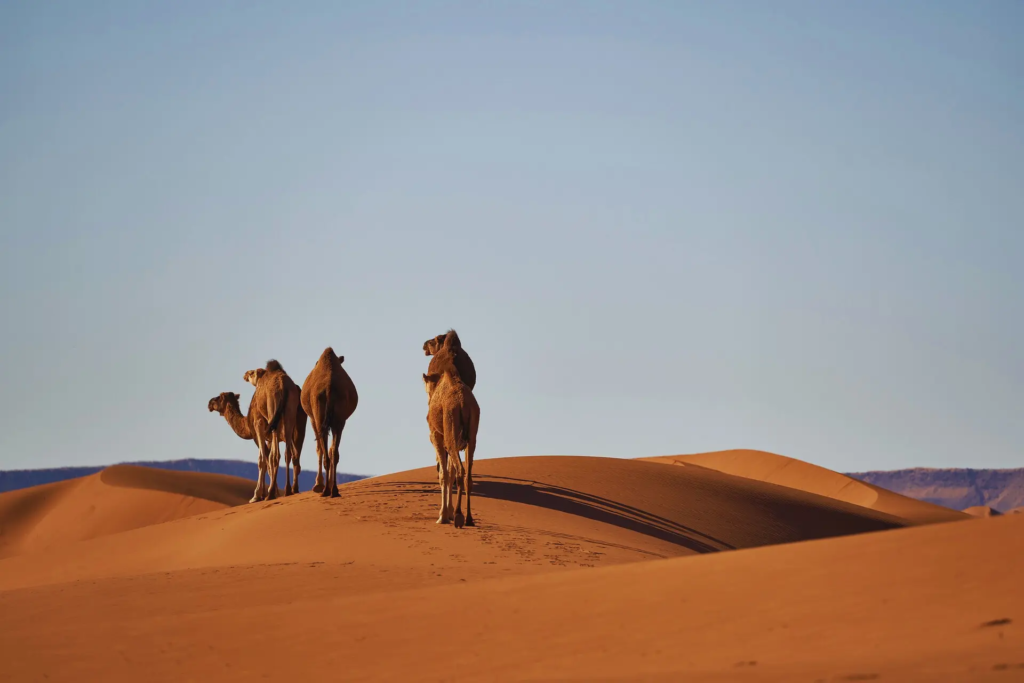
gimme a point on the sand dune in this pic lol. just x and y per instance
(797, 474)
(537, 511)
(580, 569)
(982, 511)
(116, 499)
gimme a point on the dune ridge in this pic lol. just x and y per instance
(116, 499)
(804, 476)
(982, 511)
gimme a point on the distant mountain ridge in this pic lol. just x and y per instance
(956, 488)
(12, 480)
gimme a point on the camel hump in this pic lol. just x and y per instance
(274, 366)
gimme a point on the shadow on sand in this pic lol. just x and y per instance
(573, 502)
(596, 508)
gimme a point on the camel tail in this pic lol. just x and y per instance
(278, 414)
(326, 427)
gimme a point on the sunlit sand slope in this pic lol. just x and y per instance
(117, 499)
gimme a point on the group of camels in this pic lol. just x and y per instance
(278, 411)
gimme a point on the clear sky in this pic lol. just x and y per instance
(658, 227)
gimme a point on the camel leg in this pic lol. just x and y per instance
(454, 489)
(442, 478)
(287, 470)
(446, 494)
(257, 495)
(322, 462)
(328, 487)
(455, 469)
(291, 462)
(452, 429)
(332, 463)
(265, 487)
(335, 445)
(470, 452)
(294, 464)
(274, 463)
(318, 485)
(262, 465)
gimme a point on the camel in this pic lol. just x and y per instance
(292, 429)
(329, 398)
(463, 363)
(226, 404)
(453, 416)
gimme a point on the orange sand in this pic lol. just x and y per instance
(982, 511)
(580, 569)
(114, 500)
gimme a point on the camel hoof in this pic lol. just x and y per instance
(287, 490)
(470, 522)
(255, 499)
(442, 520)
(272, 495)
(318, 488)
(335, 494)
(460, 521)
(324, 493)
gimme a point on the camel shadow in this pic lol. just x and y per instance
(595, 508)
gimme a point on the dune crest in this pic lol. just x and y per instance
(116, 499)
(797, 474)
(982, 511)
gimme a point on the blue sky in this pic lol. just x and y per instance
(658, 227)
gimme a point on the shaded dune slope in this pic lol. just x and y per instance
(116, 499)
(797, 474)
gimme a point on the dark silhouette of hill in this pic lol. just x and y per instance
(12, 480)
(955, 488)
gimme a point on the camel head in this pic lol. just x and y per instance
(432, 346)
(253, 376)
(430, 383)
(221, 403)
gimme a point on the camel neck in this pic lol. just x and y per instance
(240, 423)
